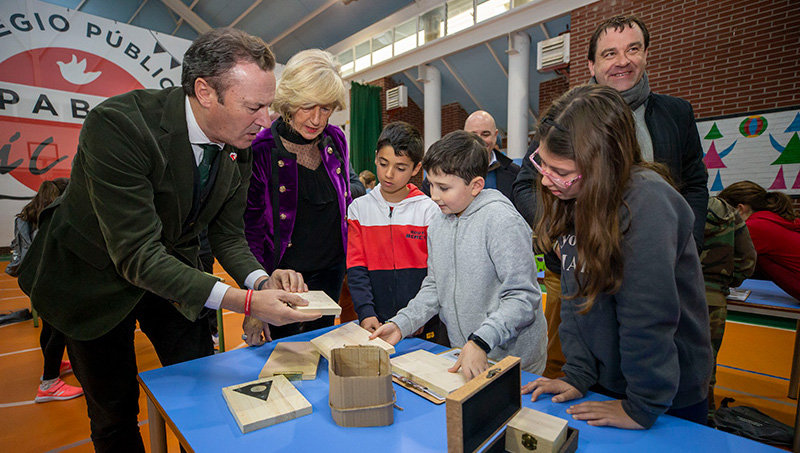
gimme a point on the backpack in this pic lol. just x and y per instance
(752, 423)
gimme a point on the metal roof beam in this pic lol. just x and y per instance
(245, 13)
(494, 55)
(138, 10)
(463, 85)
(189, 16)
(303, 21)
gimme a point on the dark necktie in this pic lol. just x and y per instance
(209, 152)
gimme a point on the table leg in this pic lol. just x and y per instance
(158, 431)
(795, 376)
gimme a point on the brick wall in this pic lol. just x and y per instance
(550, 90)
(453, 118)
(725, 57)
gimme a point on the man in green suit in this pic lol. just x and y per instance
(153, 169)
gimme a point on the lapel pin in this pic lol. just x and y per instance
(233, 156)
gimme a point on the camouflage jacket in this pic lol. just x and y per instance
(728, 255)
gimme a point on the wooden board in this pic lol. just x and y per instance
(349, 334)
(284, 403)
(319, 302)
(428, 370)
(481, 407)
(293, 359)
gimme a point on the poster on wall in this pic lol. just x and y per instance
(763, 148)
(56, 64)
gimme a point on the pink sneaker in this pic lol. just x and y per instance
(58, 392)
(65, 368)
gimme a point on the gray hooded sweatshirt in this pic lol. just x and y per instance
(482, 279)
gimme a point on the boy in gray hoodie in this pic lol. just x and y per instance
(481, 273)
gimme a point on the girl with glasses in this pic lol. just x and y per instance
(634, 323)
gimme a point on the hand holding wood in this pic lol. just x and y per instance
(389, 333)
(287, 280)
(472, 361)
(256, 332)
(372, 324)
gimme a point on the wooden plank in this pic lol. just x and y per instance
(350, 334)
(429, 370)
(482, 406)
(319, 302)
(292, 358)
(284, 403)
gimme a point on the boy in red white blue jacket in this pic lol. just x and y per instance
(387, 248)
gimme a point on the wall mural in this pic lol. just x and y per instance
(763, 148)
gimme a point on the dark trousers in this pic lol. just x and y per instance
(327, 280)
(106, 368)
(53, 343)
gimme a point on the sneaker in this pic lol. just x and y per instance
(65, 368)
(58, 392)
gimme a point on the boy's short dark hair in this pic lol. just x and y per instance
(404, 138)
(459, 153)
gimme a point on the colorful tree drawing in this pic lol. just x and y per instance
(713, 159)
(790, 154)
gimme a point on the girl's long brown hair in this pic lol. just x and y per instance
(593, 126)
(48, 192)
(755, 196)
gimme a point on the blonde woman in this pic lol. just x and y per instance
(301, 186)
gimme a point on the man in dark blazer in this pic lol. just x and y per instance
(502, 170)
(153, 169)
(666, 131)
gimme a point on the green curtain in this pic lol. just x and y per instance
(365, 125)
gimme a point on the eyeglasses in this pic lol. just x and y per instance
(556, 180)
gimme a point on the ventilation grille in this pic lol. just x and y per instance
(552, 53)
(397, 97)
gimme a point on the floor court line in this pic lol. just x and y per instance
(20, 351)
(754, 372)
(82, 442)
(753, 395)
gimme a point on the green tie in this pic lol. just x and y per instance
(209, 152)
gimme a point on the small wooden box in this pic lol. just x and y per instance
(361, 392)
(532, 430)
(480, 409)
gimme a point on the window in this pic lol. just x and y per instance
(363, 56)
(489, 8)
(405, 36)
(382, 47)
(431, 25)
(459, 15)
(346, 64)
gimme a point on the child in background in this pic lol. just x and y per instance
(368, 179)
(387, 248)
(728, 257)
(775, 230)
(52, 342)
(481, 273)
(634, 322)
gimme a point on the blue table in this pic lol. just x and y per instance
(188, 397)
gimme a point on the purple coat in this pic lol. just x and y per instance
(259, 215)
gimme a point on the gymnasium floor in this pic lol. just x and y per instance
(754, 367)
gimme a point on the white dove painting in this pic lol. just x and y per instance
(75, 71)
